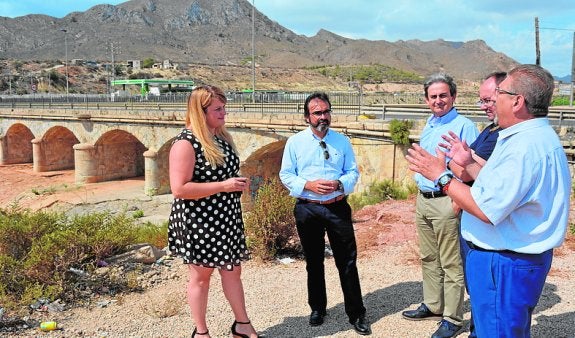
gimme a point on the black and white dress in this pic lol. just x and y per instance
(209, 231)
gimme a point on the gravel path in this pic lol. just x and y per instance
(276, 301)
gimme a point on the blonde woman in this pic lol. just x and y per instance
(205, 225)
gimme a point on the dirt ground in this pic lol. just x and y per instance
(389, 271)
(23, 187)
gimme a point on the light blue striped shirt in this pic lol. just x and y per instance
(303, 160)
(524, 190)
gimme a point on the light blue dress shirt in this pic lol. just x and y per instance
(431, 137)
(303, 160)
(524, 190)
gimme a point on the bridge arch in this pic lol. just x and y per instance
(54, 151)
(116, 155)
(16, 145)
(261, 166)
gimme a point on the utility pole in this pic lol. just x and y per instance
(113, 51)
(66, 48)
(113, 65)
(253, 52)
(572, 73)
(537, 50)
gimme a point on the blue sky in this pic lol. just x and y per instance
(507, 26)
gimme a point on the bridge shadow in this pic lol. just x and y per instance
(379, 304)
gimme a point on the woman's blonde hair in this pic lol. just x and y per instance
(198, 101)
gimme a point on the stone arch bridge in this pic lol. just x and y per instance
(111, 144)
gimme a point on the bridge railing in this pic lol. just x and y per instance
(559, 115)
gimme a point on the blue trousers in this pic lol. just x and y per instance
(313, 221)
(505, 288)
(464, 251)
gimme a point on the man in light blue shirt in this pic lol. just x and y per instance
(436, 220)
(517, 210)
(319, 169)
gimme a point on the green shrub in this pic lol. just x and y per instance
(148, 62)
(153, 234)
(399, 130)
(38, 249)
(270, 225)
(561, 100)
(381, 191)
(374, 73)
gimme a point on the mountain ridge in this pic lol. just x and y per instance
(219, 33)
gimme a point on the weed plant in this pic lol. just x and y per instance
(399, 130)
(562, 100)
(270, 225)
(38, 250)
(380, 191)
(138, 214)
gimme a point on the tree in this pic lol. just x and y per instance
(148, 63)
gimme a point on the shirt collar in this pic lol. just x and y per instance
(522, 126)
(314, 136)
(439, 120)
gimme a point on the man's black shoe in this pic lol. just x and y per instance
(446, 330)
(421, 313)
(316, 318)
(360, 325)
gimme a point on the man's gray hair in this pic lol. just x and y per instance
(536, 85)
(440, 77)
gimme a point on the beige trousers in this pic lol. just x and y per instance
(438, 232)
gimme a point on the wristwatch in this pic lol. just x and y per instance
(444, 179)
(339, 186)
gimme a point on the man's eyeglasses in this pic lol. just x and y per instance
(320, 113)
(325, 152)
(499, 91)
(486, 102)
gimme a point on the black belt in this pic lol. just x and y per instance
(478, 248)
(432, 194)
(330, 201)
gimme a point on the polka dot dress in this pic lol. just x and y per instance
(209, 231)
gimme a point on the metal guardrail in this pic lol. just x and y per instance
(558, 115)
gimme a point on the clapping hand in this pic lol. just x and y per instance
(456, 149)
(421, 161)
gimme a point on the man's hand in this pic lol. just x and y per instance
(457, 149)
(420, 161)
(321, 186)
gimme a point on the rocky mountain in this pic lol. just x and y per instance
(219, 33)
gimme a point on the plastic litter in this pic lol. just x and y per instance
(48, 326)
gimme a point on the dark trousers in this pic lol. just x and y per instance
(313, 221)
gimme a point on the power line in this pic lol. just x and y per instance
(558, 29)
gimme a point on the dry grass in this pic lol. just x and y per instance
(164, 305)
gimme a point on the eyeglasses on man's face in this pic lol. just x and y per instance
(485, 102)
(499, 91)
(325, 152)
(321, 113)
